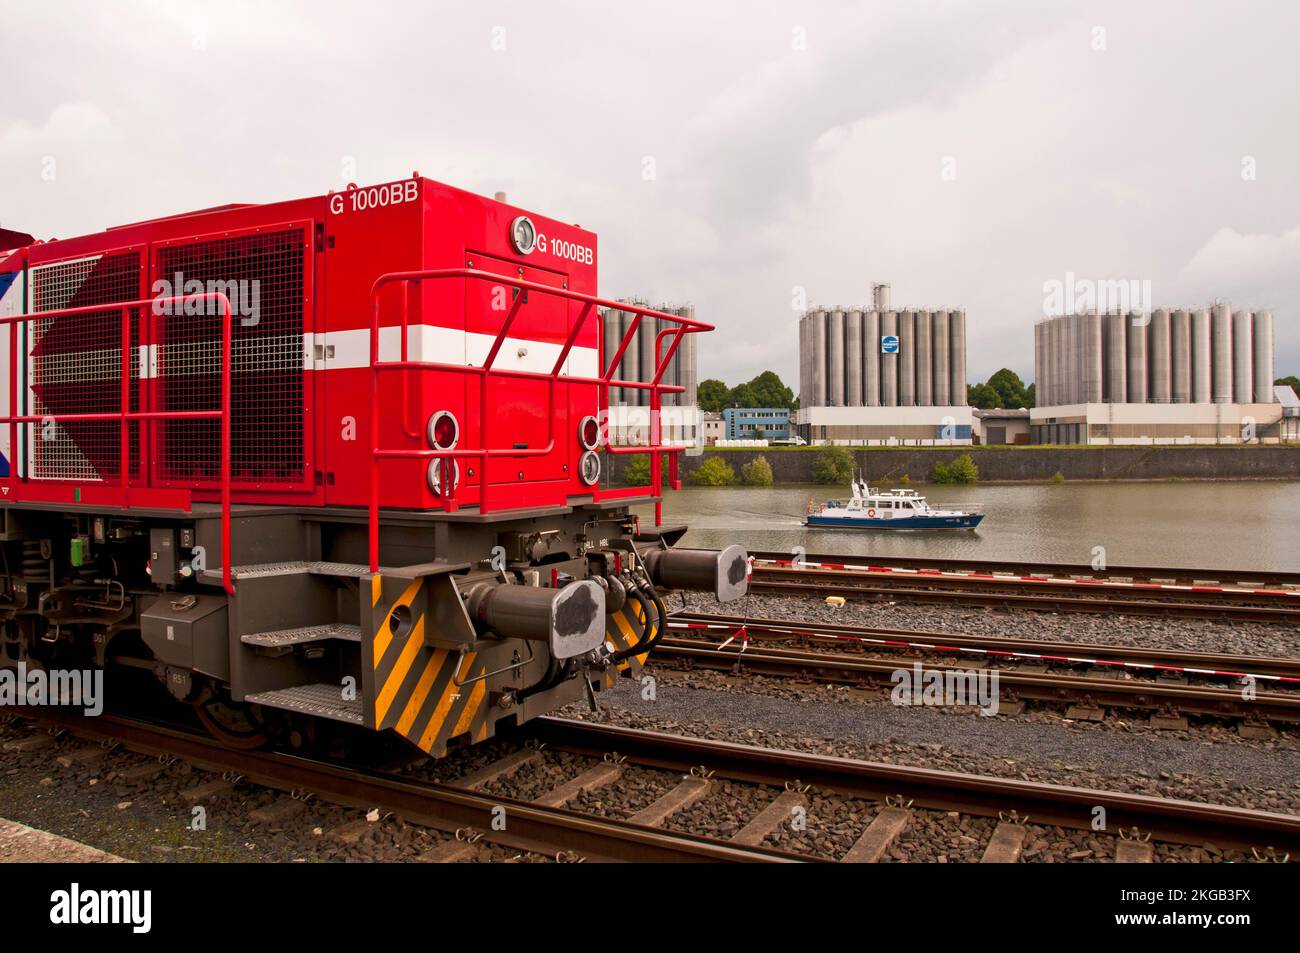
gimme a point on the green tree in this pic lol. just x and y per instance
(637, 471)
(714, 471)
(961, 470)
(712, 395)
(833, 465)
(1010, 388)
(757, 472)
(1031, 396)
(742, 395)
(768, 390)
(982, 396)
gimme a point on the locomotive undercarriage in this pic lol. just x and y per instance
(471, 624)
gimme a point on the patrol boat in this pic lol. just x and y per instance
(888, 509)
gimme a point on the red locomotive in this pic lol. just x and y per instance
(331, 460)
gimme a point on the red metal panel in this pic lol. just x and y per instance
(271, 267)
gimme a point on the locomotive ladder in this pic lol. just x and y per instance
(124, 415)
(681, 326)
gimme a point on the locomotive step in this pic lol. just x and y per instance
(264, 570)
(323, 701)
(282, 641)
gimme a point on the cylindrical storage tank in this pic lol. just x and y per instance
(646, 334)
(1137, 357)
(1116, 359)
(1263, 341)
(803, 361)
(1200, 356)
(1092, 359)
(1243, 359)
(835, 355)
(853, 358)
(871, 359)
(1038, 360)
(1161, 382)
(880, 298)
(1052, 359)
(924, 387)
(630, 367)
(939, 376)
(1221, 354)
(673, 372)
(888, 362)
(957, 358)
(692, 364)
(1073, 359)
(819, 358)
(906, 358)
(1180, 356)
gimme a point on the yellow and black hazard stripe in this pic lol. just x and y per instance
(427, 695)
(625, 629)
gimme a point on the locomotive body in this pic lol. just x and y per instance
(329, 461)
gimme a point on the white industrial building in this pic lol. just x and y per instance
(878, 376)
(1174, 376)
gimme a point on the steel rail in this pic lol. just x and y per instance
(1117, 693)
(1026, 567)
(876, 639)
(1043, 602)
(444, 807)
(1166, 819)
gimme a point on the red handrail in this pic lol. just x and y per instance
(484, 454)
(124, 414)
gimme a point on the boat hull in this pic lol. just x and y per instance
(963, 521)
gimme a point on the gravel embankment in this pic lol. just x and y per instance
(1112, 755)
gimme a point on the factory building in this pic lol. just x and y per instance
(1172, 376)
(879, 375)
(629, 407)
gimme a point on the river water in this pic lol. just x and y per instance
(1232, 525)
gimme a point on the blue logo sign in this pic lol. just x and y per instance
(889, 344)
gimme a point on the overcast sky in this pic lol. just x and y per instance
(727, 154)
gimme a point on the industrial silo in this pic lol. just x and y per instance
(939, 374)
(630, 367)
(888, 362)
(819, 358)
(1137, 357)
(924, 388)
(1161, 381)
(1263, 340)
(906, 358)
(691, 365)
(1116, 367)
(957, 357)
(1243, 359)
(1180, 356)
(835, 358)
(646, 355)
(1221, 354)
(1039, 387)
(880, 298)
(1200, 356)
(1092, 359)
(871, 359)
(853, 358)
(1055, 359)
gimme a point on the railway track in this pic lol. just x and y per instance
(883, 583)
(785, 782)
(729, 642)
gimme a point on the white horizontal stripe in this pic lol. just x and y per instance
(427, 342)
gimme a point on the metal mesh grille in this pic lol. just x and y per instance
(75, 366)
(263, 275)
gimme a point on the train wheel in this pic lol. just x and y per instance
(231, 725)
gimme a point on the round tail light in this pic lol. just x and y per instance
(589, 433)
(443, 430)
(589, 467)
(434, 475)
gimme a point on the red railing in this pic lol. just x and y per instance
(485, 453)
(124, 414)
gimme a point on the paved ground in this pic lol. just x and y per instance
(20, 844)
